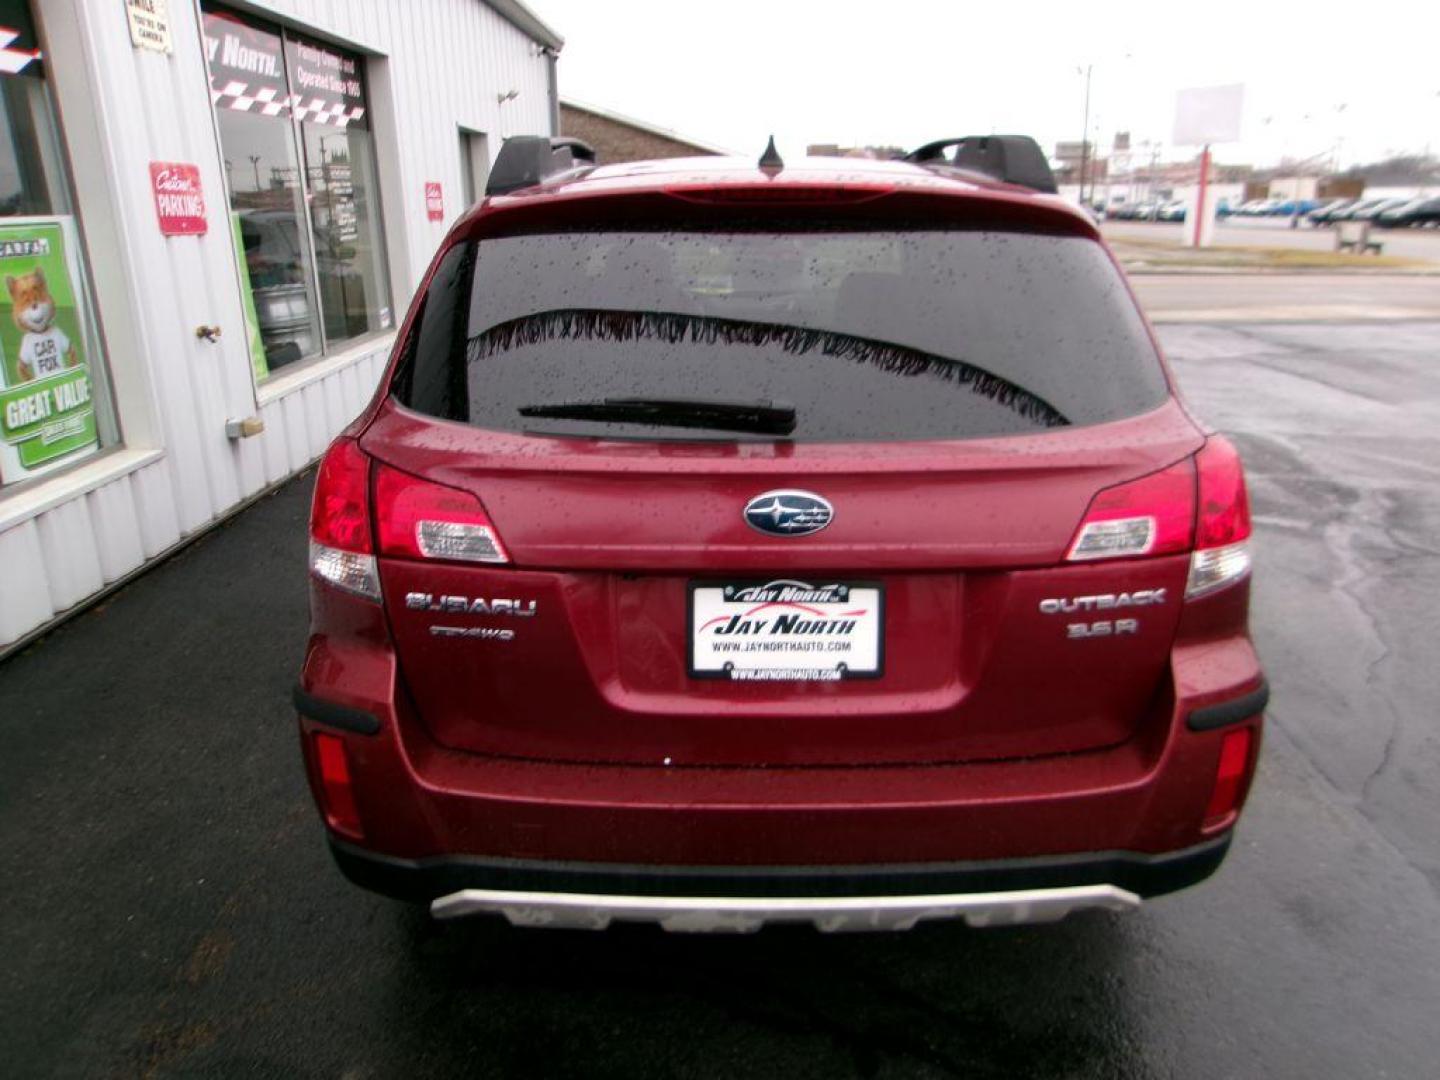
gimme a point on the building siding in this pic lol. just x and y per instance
(433, 68)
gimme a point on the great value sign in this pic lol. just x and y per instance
(47, 416)
(179, 202)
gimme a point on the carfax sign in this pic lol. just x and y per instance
(46, 412)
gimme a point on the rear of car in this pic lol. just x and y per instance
(1323, 214)
(724, 548)
(1416, 211)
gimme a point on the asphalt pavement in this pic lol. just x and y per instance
(167, 906)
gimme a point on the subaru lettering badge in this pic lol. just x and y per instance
(788, 513)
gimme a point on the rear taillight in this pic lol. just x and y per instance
(1153, 515)
(1222, 527)
(1230, 776)
(341, 552)
(424, 520)
(337, 791)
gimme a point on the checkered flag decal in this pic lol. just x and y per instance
(14, 61)
(269, 101)
(319, 111)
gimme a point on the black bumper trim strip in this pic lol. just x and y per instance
(1229, 712)
(337, 716)
(427, 879)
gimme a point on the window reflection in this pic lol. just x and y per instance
(300, 166)
(266, 201)
(346, 222)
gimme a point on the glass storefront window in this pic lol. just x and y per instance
(267, 210)
(55, 406)
(304, 200)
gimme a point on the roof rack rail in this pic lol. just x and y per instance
(1015, 159)
(527, 160)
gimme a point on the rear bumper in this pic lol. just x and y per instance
(440, 811)
(591, 895)
(453, 821)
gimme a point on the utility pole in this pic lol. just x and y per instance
(1085, 133)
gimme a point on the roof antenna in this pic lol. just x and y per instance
(770, 161)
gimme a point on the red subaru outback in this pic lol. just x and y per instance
(732, 543)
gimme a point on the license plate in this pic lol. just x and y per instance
(786, 630)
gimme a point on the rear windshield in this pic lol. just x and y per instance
(845, 335)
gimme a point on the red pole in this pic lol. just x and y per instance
(1200, 200)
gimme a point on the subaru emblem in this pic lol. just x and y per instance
(788, 513)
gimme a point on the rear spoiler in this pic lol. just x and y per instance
(1014, 159)
(527, 160)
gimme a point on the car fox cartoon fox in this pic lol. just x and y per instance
(44, 347)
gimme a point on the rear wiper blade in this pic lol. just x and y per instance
(760, 417)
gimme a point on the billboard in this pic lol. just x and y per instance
(1208, 114)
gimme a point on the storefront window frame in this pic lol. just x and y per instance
(110, 418)
(302, 368)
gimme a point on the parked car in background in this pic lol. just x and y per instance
(708, 556)
(1357, 207)
(1293, 207)
(1136, 211)
(1322, 213)
(1171, 211)
(1370, 213)
(1424, 210)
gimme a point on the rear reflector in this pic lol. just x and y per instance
(1153, 515)
(1222, 528)
(1229, 776)
(422, 519)
(336, 790)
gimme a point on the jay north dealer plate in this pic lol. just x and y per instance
(786, 630)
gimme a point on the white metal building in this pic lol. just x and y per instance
(213, 214)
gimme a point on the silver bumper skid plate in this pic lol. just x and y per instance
(743, 914)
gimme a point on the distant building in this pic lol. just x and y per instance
(623, 138)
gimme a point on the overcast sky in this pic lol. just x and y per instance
(901, 72)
